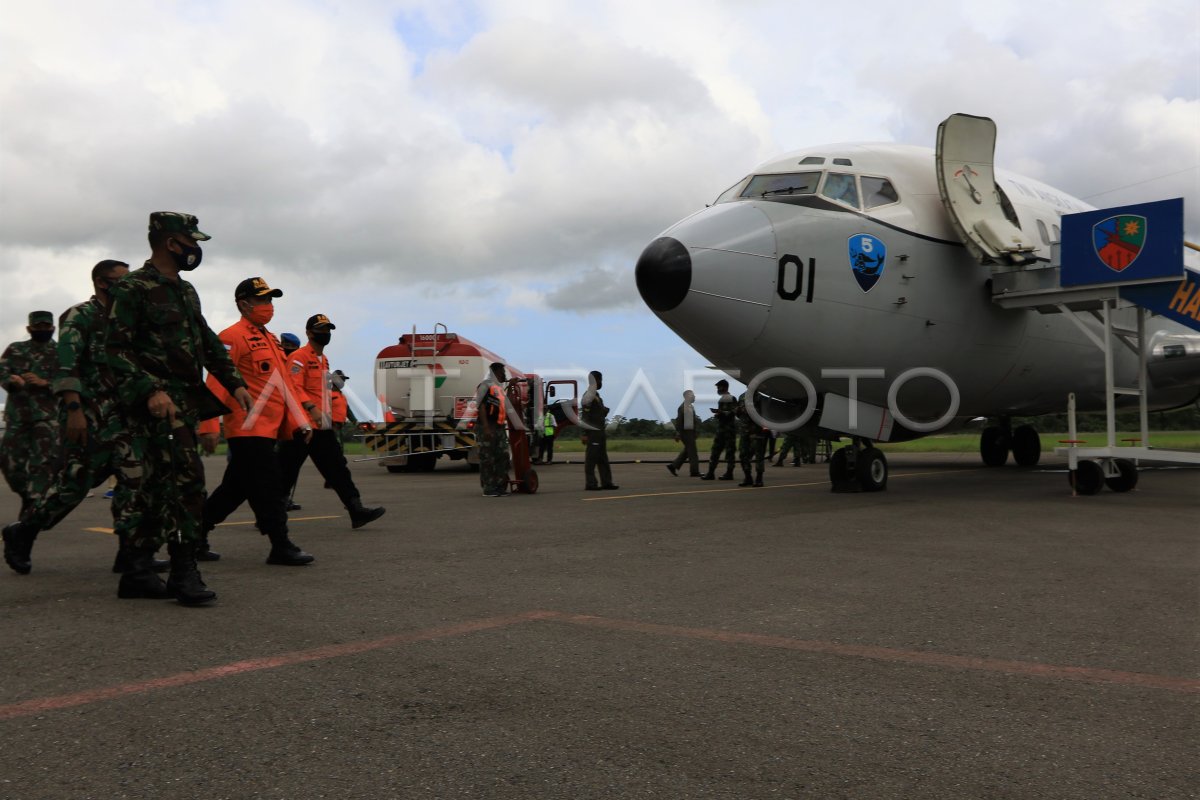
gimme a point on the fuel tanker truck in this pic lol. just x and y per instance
(426, 383)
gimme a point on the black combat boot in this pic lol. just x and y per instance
(746, 480)
(204, 552)
(284, 552)
(758, 479)
(360, 516)
(184, 582)
(18, 546)
(728, 476)
(139, 581)
(122, 563)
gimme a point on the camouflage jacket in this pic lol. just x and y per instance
(726, 412)
(82, 363)
(29, 403)
(158, 340)
(746, 426)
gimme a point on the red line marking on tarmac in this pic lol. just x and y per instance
(921, 658)
(43, 704)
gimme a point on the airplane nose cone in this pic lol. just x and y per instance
(664, 273)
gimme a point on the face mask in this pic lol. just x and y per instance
(261, 315)
(41, 336)
(321, 338)
(189, 259)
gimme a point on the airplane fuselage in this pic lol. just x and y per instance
(793, 276)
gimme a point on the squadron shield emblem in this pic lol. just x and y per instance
(1119, 240)
(867, 257)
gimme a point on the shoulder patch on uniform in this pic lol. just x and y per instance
(296, 368)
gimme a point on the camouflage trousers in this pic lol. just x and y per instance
(28, 458)
(493, 460)
(171, 496)
(724, 443)
(752, 447)
(107, 452)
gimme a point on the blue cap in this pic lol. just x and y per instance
(290, 338)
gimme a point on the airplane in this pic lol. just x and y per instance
(869, 270)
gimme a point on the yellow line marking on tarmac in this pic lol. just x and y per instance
(739, 489)
(231, 524)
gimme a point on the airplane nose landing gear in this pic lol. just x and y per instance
(860, 467)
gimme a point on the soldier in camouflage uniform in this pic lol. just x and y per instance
(158, 348)
(491, 433)
(725, 442)
(752, 443)
(96, 443)
(30, 447)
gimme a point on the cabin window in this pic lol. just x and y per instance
(731, 193)
(842, 187)
(1057, 232)
(782, 184)
(1042, 232)
(812, 160)
(878, 192)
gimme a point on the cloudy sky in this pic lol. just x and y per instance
(499, 165)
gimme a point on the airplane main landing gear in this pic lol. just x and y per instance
(993, 446)
(859, 467)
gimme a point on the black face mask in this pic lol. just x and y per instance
(321, 338)
(189, 259)
(41, 336)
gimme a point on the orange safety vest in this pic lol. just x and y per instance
(495, 391)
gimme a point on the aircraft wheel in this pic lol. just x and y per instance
(872, 468)
(1088, 478)
(1127, 479)
(1026, 446)
(993, 446)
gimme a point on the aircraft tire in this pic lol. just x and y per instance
(1026, 446)
(872, 468)
(993, 446)
(1088, 478)
(1127, 479)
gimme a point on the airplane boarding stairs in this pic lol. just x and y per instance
(1039, 286)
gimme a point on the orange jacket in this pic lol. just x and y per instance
(277, 411)
(311, 374)
(341, 409)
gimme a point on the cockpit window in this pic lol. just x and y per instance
(731, 193)
(782, 184)
(878, 192)
(842, 187)
(812, 160)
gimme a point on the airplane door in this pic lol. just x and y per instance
(966, 147)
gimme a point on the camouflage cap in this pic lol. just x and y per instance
(255, 287)
(177, 222)
(319, 322)
(41, 318)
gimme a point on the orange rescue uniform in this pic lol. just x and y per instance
(311, 374)
(278, 398)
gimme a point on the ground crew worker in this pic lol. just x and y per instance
(31, 429)
(791, 443)
(96, 442)
(339, 408)
(546, 445)
(158, 346)
(310, 368)
(593, 417)
(752, 444)
(726, 439)
(253, 473)
(491, 432)
(685, 432)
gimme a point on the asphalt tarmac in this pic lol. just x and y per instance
(969, 633)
